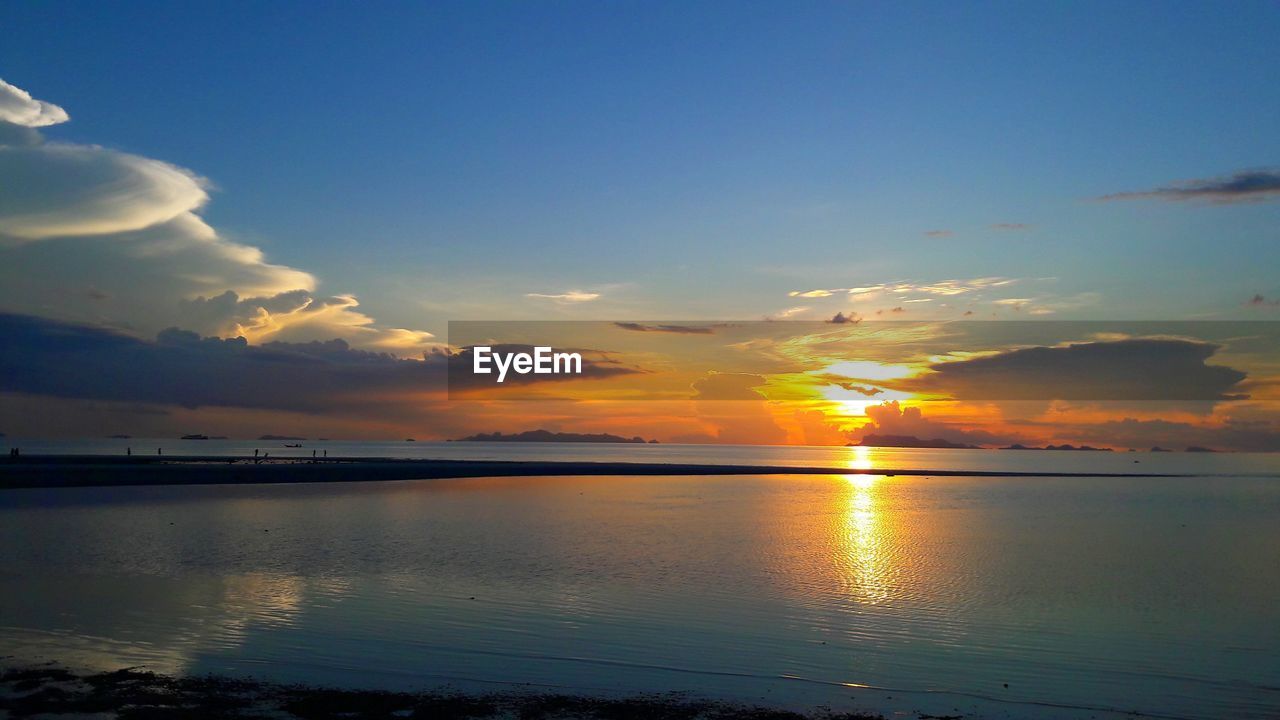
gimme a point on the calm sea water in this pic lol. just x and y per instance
(994, 597)
(862, 458)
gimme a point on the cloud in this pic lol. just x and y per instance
(182, 368)
(678, 329)
(1010, 226)
(737, 422)
(93, 235)
(863, 390)
(814, 293)
(1131, 369)
(1130, 432)
(1259, 301)
(943, 288)
(938, 233)
(841, 319)
(890, 418)
(403, 339)
(54, 190)
(1015, 303)
(300, 315)
(728, 386)
(19, 108)
(1243, 186)
(569, 296)
(787, 313)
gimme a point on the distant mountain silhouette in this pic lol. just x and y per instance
(1088, 448)
(548, 436)
(910, 441)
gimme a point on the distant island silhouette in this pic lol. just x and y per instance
(548, 436)
(1087, 448)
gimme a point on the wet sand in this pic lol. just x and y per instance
(105, 470)
(133, 694)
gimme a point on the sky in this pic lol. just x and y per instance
(303, 172)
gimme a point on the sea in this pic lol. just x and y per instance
(1152, 590)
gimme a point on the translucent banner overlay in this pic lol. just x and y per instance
(1194, 363)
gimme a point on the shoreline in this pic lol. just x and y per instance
(51, 689)
(52, 471)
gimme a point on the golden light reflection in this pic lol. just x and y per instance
(863, 556)
(861, 460)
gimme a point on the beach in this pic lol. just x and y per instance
(130, 694)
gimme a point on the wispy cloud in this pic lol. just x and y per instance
(1260, 301)
(787, 313)
(938, 233)
(943, 288)
(1243, 186)
(677, 329)
(569, 296)
(1011, 226)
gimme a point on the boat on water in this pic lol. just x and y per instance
(195, 437)
(293, 445)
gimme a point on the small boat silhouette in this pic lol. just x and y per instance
(293, 445)
(195, 437)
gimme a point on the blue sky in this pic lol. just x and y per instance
(695, 160)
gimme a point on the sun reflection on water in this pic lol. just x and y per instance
(861, 459)
(863, 557)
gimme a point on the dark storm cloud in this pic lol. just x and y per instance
(1240, 436)
(46, 357)
(1135, 369)
(1244, 186)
